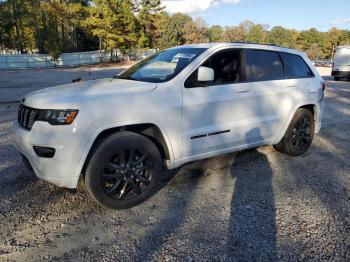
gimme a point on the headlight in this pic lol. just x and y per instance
(58, 117)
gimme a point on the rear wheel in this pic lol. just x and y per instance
(299, 135)
(336, 78)
(123, 171)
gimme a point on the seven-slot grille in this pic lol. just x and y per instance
(27, 116)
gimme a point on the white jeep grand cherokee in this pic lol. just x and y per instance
(179, 105)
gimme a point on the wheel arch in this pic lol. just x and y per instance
(149, 130)
(312, 107)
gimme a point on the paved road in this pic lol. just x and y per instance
(257, 206)
(14, 84)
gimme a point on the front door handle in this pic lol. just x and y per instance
(242, 90)
(290, 86)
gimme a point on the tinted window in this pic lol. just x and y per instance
(162, 66)
(295, 66)
(227, 68)
(263, 65)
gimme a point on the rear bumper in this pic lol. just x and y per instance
(319, 115)
(340, 73)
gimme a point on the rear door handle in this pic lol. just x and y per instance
(290, 86)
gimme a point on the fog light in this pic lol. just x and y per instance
(46, 152)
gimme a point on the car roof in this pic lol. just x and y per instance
(242, 45)
(343, 46)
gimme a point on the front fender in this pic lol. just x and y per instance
(102, 128)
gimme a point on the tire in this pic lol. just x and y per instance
(123, 171)
(300, 132)
(336, 78)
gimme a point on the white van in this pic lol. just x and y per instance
(341, 63)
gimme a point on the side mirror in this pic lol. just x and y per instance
(205, 75)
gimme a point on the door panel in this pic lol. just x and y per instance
(216, 117)
(251, 111)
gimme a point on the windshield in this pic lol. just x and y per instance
(163, 66)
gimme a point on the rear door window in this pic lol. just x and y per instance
(295, 66)
(263, 65)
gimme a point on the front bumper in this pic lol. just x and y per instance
(60, 170)
(340, 73)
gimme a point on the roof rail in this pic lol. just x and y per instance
(255, 43)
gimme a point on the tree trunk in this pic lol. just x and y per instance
(23, 39)
(62, 36)
(44, 32)
(1, 42)
(38, 39)
(17, 35)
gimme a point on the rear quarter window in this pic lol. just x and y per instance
(263, 65)
(295, 66)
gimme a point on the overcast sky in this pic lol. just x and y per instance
(298, 14)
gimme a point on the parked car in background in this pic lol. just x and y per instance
(322, 63)
(328, 63)
(174, 107)
(319, 63)
(341, 63)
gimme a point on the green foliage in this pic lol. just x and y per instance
(196, 31)
(148, 13)
(56, 26)
(174, 30)
(234, 34)
(281, 36)
(215, 33)
(257, 34)
(113, 22)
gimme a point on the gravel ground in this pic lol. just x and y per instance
(258, 205)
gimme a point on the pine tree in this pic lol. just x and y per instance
(149, 11)
(113, 22)
(174, 30)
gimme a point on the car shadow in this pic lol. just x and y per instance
(252, 224)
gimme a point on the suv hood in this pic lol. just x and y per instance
(74, 94)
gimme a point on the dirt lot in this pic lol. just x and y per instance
(258, 205)
(14, 84)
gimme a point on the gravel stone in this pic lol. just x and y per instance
(257, 205)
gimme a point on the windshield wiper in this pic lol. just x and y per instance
(127, 78)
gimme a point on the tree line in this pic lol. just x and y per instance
(57, 26)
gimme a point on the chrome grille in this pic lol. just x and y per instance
(27, 116)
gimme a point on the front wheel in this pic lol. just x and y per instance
(123, 171)
(299, 135)
(336, 78)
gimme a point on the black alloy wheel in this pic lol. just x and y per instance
(123, 171)
(127, 174)
(299, 135)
